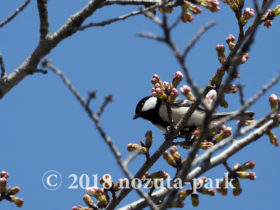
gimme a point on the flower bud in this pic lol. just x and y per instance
(247, 14)
(226, 132)
(155, 79)
(210, 97)
(80, 208)
(15, 190)
(177, 78)
(87, 199)
(95, 191)
(176, 155)
(183, 194)
(186, 16)
(106, 181)
(230, 41)
(212, 5)
(246, 175)
(4, 174)
(159, 175)
(273, 100)
(206, 191)
(3, 184)
(222, 188)
(102, 201)
(221, 53)
(195, 200)
(247, 165)
(206, 145)
(272, 137)
(237, 189)
(169, 159)
(18, 201)
(187, 92)
(148, 138)
(135, 147)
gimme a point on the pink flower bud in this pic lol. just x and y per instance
(273, 100)
(4, 174)
(155, 79)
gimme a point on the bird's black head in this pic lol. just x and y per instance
(147, 108)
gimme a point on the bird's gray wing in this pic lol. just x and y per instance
(180, 102)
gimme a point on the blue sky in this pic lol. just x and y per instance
(43, 127)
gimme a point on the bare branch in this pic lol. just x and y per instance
(123, 17)
(151, 36)
(2, 66)
(44, 20)
(15, 13)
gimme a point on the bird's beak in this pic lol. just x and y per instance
(135, 116)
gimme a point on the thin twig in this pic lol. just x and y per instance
(150, 36)
(107, 100)
(15, 13)
(2, 66)
(131, 157)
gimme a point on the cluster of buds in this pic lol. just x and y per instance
(239, 171)
(222, 56)
(187, 92)
(173, 158)
(165, 91)
(99, 193)
(199, 187)
(224, 133)
(212, 5)
(230, 41)
(143, 148)
(155, 180)
(247, 15)
(9, 193)
(234, 4)
(270, 15)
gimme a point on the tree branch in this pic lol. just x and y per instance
(15, 13)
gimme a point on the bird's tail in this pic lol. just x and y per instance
(248, 115)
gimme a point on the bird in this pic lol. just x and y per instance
(154, 110)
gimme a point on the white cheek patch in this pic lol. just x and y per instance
(150, 104)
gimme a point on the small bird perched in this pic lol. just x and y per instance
(154, 109)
